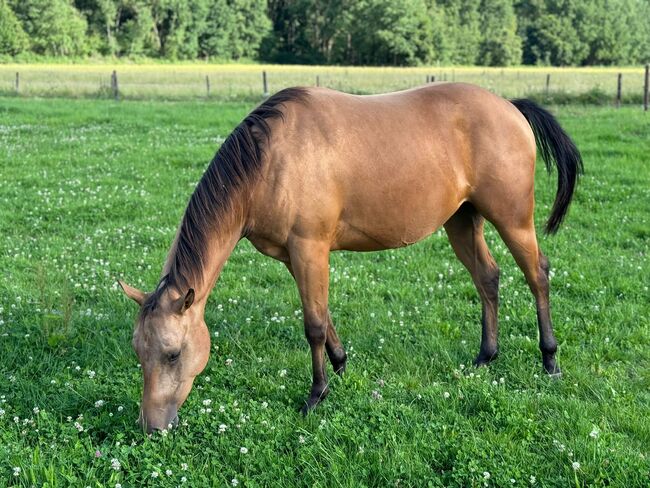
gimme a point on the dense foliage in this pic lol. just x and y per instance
(366, 32)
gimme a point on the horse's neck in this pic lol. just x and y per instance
(220, 246)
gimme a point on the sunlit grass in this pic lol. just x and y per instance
(244, 81)
(92, 191)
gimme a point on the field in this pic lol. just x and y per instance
(233, 82)
(92, 191)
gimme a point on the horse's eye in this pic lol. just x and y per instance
(172, 357)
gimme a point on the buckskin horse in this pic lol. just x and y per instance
(312, 170)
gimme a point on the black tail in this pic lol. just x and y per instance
(554, 146)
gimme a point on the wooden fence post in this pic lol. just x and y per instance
(265, 94)
(433, 78)
(17, 82)
(646, 88)
(114, 86)
(548, 83)
(207, 86)
(619, 88)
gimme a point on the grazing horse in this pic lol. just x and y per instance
(313, 170)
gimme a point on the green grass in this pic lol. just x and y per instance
(237, 82)
(93, 190)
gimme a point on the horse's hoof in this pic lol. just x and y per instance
(552, 369)
(484, 359)
(339, 360)
(313, 401)
(339, 369)
(555, 372)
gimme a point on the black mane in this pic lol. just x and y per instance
(235, 166)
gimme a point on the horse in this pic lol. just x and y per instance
(313, 170)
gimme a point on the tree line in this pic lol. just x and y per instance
(350, 32)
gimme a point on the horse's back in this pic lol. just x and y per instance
(384, 171)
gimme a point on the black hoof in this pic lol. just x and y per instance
(339, 360)
(313, 401)
(339, 367)
(483, 359)
(552, 369)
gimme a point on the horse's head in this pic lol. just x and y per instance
(172, 342)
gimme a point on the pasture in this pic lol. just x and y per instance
(92, 191)
(241, 82)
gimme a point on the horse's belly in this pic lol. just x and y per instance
(394, 223)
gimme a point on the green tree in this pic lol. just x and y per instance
(103, 18)
(13, 39)
(395, 33)
(461, 31)
(234, 29)
(54, 27)
(500, 45)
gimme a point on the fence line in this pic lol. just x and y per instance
(139, 87)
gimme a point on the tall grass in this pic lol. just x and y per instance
(244, 82)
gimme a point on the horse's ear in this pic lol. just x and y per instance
(185, 302)
(133, 293)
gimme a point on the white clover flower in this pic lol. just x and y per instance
(575, 465)
(243, 450)
(17, 471)
(207, 402)
(184, 466)
(234, 482)
(168, 472)
(78, 426)
(115, 464)
(91, 374)
(301, 439)
(222, 428)
(486, 475)
(99, 403)
(228, 362)
(118, 485)
(594, 433)
(36, 410)
(446, 394)
(265, 404)
(183, 479)
(120, 408)
(283, 373)
(533, 480)
(154, 474)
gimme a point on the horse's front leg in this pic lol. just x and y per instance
(310, 265)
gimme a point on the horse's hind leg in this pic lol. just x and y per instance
(465, 232)
(522, 242)
(333, 345)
